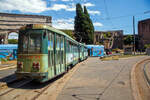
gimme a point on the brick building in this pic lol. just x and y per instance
(144, 32)
(113, 40)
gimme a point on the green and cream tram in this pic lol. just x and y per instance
(45, 52)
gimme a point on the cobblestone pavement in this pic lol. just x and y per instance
(101, 80)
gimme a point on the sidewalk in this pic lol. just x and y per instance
(101, 80)
(8, 64)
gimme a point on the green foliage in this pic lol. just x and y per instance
(107, 35)
(4, 59)
(89, 28)
(84, 29)
(69, 32)
(12, 41)
(147, 46)
(79, 23)
(128, 40)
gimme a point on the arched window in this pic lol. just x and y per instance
(13, 35)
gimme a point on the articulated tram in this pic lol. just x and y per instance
(45, 52)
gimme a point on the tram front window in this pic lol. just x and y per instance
(34, 43)
(30, 42)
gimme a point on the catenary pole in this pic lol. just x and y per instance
(134, 35)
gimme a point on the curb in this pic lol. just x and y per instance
(134, 86)
(8, 67)
(146, 74)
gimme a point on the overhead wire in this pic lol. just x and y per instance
(118, 17)
(124, 16)
(107, 13)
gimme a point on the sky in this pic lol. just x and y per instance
(105, 14)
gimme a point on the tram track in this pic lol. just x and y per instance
(146, 74)
(14, 85)
(40, 92)
(139, 80)
(27, 89)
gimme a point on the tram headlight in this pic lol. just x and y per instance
(36, 65)
(19, 65)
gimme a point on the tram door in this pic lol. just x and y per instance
(51, 54)
(59, 54)
(62, 55)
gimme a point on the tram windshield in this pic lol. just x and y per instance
(30, 42)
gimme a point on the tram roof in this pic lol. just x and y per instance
(42, 26)
(8, 46)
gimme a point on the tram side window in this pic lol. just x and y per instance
(58, 49)
(70, 47)
(62, 49)
(24, 42)
(50, 48)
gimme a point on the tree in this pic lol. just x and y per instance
(147, 46)
(84, 29)
(79, 23)
(12, 41)
(69, 32)
(128, 40)
(89, 28)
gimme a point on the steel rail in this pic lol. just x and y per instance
(145, 74)
(19, 84)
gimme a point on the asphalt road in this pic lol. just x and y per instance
(7, 72)
(101, 80)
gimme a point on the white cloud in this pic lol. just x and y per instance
(32, 6)
(35, 6)
(88, 4)
(63, 23)
(94, 12)
(57, 7)
(69, 23)
(98, 24)
(38, 6)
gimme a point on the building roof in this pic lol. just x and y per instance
(22, 15)
(110, 31)
(145, 20)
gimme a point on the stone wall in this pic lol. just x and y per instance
(117, 38)
(12, 22)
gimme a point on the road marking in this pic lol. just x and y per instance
(8, 67)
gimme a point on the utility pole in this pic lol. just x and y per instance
(134, 35)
